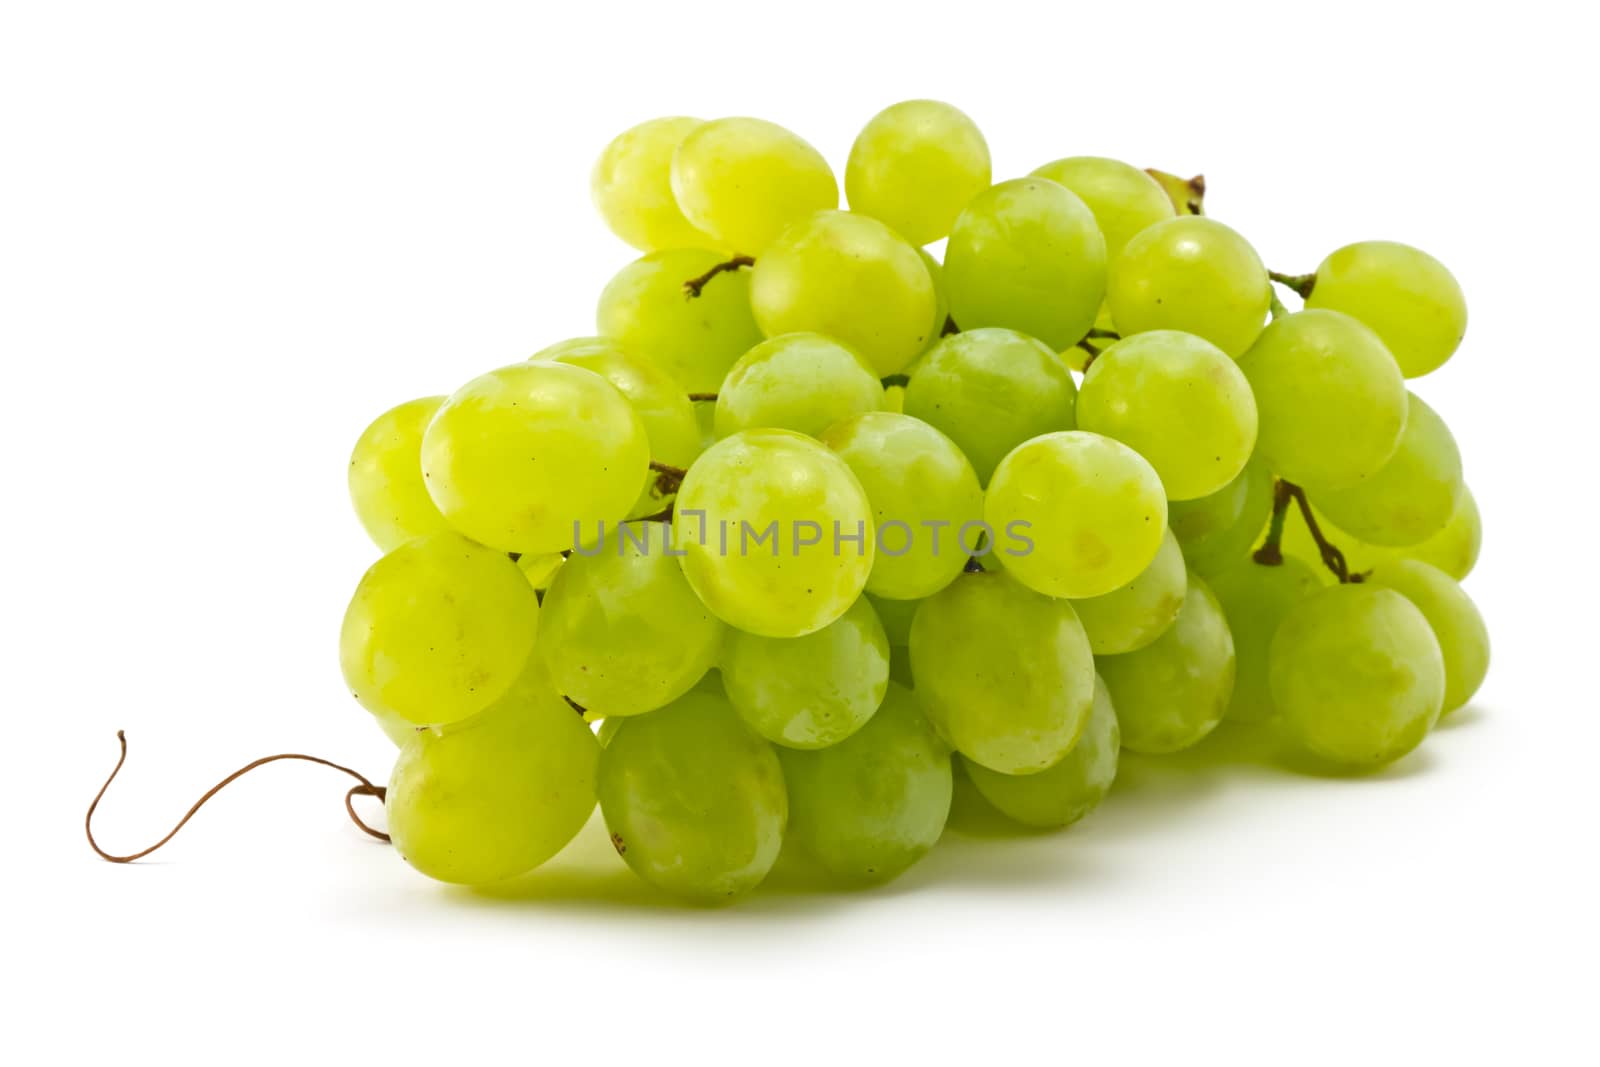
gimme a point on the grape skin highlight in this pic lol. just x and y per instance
(914, 166)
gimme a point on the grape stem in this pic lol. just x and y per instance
(1271, 554)
(574, 705)
(1093, 350)
(1102, 335)
(1194, 188)
(365, 788)
(664, 515)
(1299, 283)
(693, 286)
(1275, 305)
(893, 380)
(949, 327)
(668, 477)
(702, 398)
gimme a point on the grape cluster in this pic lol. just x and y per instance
(817, 522)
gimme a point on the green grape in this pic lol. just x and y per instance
(1192, 274)
(923, 494)
(870, 806)
(1408, 298)
(1356, 675)
(522, 457)
(1125, 200)
(1217, 531)
(776, 533)
(386, 485)
(1455, 548)
(1255, 598)
(896, 616)
(1178, 401)
(811, 691)
(694, 800)
(941, 303)
(647, 312)
(437, 630)
(495, 797)
(1005, 674)
(744, 180)
(915, 165)
(1060, 795)
(632, 186)
(803, 382)
(1331, 401)
(1463, 638)
(1082, 514)
(989, 390)
(852, 278)
(1174, 691)
(1412, 496)
(1133, 615)
(621, 632)
(661, 403)
(541, 570)
(1026, 254)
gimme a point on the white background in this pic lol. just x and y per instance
(234, 233)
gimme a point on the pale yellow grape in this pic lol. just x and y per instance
(1192, 274)
(497, 796)
(646, 311)
(1027, 255)
(852, 278)
(1455, 548)
(923, 493)
(1124, 199)
(1255, 598)
(385, 477)
(1357, 675)
(1330, 399)
(621, 632)
(1412, 496)
(632, 186)
(1454, 618)
(1005, 674)
(803, 382)
(1219, 530)
(1173, 692)
(437, 630)
(524, 457)
(777, 533)
(811, 691)
(743, 181)
(1408, 298)
(1092, 510)
(1060, 795)
(915, 165)
(1133, 615)
(1177, 400)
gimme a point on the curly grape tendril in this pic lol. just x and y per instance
(364, 788)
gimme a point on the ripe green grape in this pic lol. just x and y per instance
(744, 180)
(1177, 400)
(1356, 675)
(1412, 496)
(896, 616)
(870, 806)
(776, 532)
(1005, 674)
(915, 165)
(646, 311)
(437, 630)
(923, 493)
(852, 278)
(1192, 274)
(386, 485)
(1331, 401)
(989, 390)
(497, 796)
(1217, 531)
(1455, 548)
(694, 800)
(1454, 618)
(621, 632)
(811, 691)
(1027, 255)
(662, 404)
(803, 382)
(1060, 795)
(1255, 598)
(941, 303)
(632, 186)
(1175, 690)
(1091, 510)
(1133, 615)
(1408, 298)
(1125, 200)
(522, 457)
